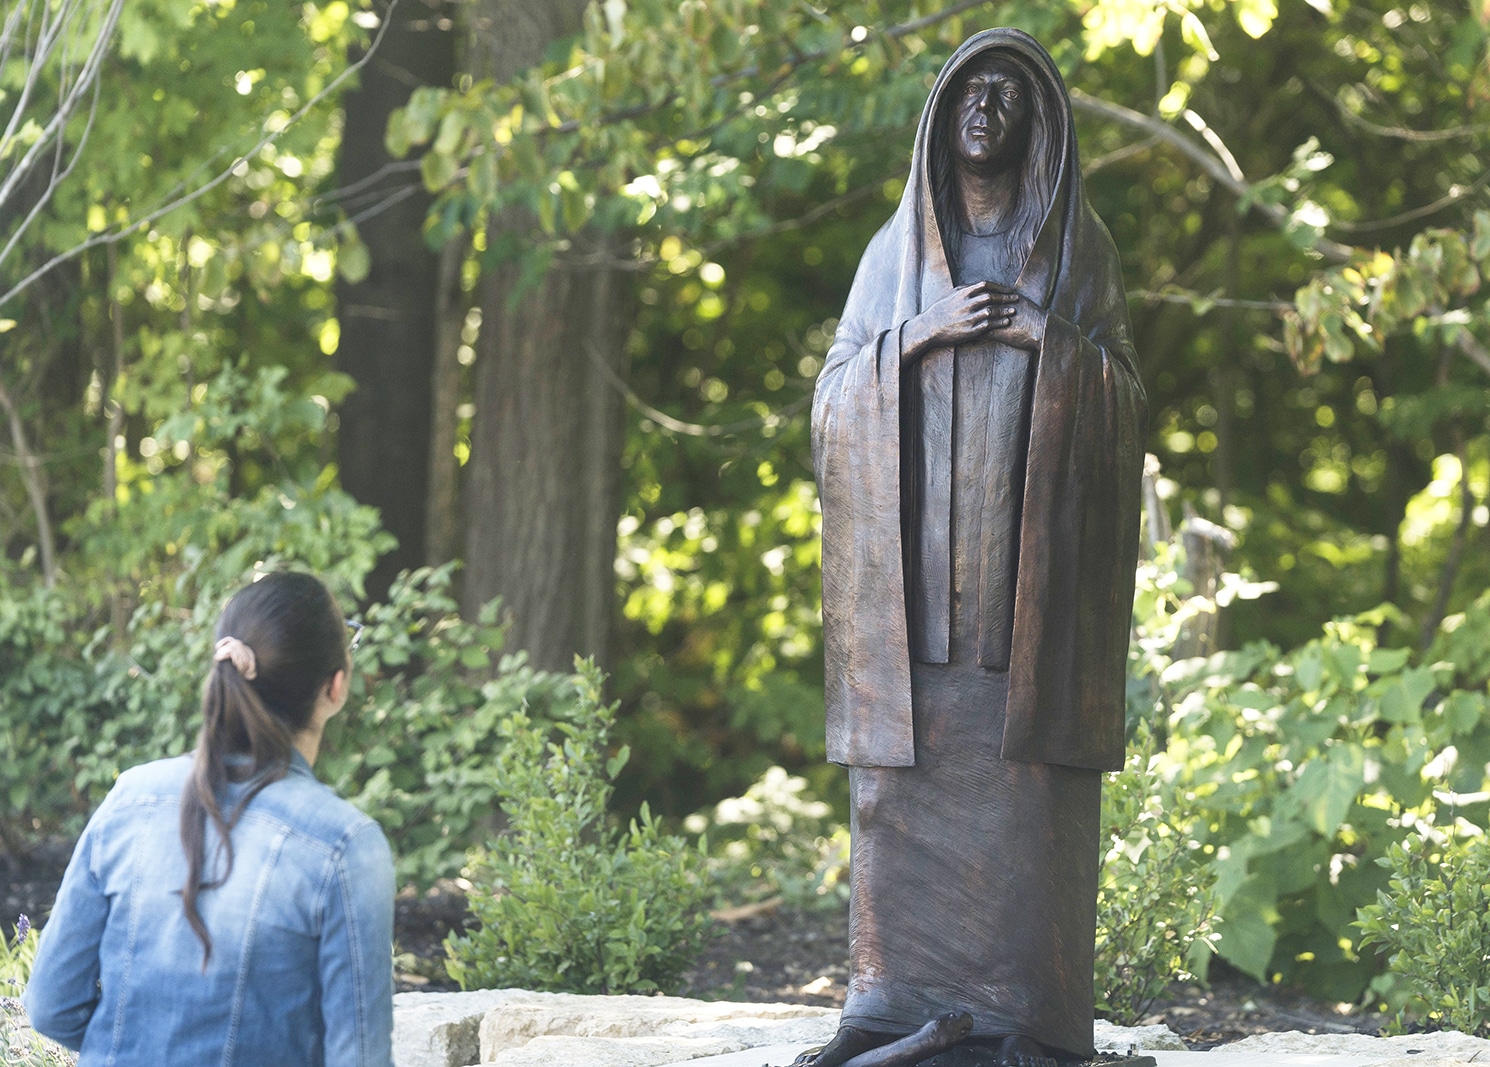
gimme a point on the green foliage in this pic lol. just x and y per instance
(566, 902)
(740, 592)
(416, 744)
(1156, 899)
(1304, 767)
(1433, 923)
(412, 747)
(776, 841)
(1430, 289)
(19, 1044)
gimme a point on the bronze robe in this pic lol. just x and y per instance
(976, 620)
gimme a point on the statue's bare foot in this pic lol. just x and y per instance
(936, 1036)
(1016, 1051)
(849, 1042)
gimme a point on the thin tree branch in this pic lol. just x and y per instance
(1117, 155)
(641, 263)
(72, 96)
(692, 429)
(1454, 195)
(35, 481)
(1403, 133)
(1212, 138)
(222, 176)
(1208, 162)
(1472, 350)
(1176, 296)
(56, 179)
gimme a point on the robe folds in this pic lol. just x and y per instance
(887, 495)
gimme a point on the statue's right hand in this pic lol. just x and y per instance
(964, 315)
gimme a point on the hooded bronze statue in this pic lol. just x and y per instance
(978, 443)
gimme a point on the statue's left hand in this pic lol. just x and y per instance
(1027, 330)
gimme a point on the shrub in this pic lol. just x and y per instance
(1307, 765)
(1435, 923)
(775, 841)
(1156, 898)
(413, 747)
(564, 901)
(19, 1044)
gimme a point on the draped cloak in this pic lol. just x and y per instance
(1065, 643)
(980, 533)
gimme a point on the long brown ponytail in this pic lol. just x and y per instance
(293, 629)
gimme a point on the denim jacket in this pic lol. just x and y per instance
(301, 972)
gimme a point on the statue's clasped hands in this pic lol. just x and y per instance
(971, 314)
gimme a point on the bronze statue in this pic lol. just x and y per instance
(978, 442)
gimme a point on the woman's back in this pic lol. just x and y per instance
(300, 971)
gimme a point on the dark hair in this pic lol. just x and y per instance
(1044, 142)
(293, 626)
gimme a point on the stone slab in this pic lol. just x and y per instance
(640, 1031)
(1291, 1049)
(1295, 1049)
(517, 1028)
(442, 1029)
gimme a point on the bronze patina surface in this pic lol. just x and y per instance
(978, 444)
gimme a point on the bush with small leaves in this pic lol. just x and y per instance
(1156, 901)
(1435, 925)
(564, 901)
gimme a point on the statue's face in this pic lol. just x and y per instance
(993, 114)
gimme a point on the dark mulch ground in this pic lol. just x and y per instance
(768, 954)
(801, 957)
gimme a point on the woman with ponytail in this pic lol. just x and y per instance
(226, 907)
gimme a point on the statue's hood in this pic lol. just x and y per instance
(1059, 144)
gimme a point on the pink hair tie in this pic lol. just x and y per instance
(242, 657)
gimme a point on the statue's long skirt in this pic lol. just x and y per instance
(974, 879)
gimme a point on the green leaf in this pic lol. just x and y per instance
(474, 657)
(1328, 786)
(1402, 700)
(1247, 933)
(1479, 246)
(452, 130)
(438, 170)
(352, 260)
(1256, 16)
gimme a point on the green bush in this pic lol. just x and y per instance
(1434, 924)
(1156, 898)
(416, 744)
(564, 901)
(105, 670)
(775, 841)
(1306, 765)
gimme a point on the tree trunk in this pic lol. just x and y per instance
(543, 485)
(389, 324)
(543, 481)
(442, 501)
